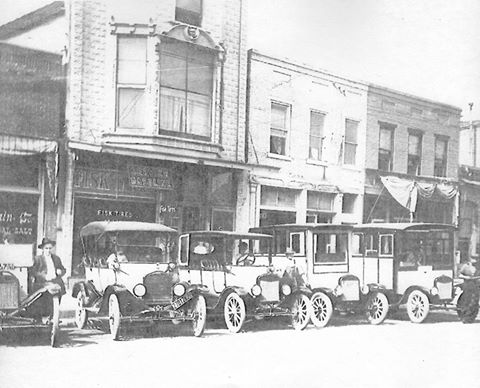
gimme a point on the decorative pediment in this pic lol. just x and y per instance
(191, 34)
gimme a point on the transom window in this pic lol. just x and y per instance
(317, 120)
(414, 153)
(279, 126)
(189, 12)
(350, 143)
(131, 81)
(186, 88)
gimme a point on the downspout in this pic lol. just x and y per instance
(240, 37)
(222, 94)
(247, 106)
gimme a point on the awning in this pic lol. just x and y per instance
(11, 145)
(406, 191)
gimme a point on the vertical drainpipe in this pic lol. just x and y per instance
(247, 106)
(240, 37)
(222, 94)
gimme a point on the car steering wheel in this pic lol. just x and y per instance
(248, 259)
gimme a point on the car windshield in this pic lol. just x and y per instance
(431, 248)
(224, 251)
(136, 246)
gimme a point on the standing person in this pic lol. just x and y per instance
(294, 270)
(467, 270)
(47, 268)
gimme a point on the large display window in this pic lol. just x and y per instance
(18, 218)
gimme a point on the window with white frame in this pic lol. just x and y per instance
(317, 121)
(331, 248)
(350, 142)
(189, 12)
(186, 90)
(385, 149)
(279, 126)
(414, 153)
(277, 206)
(131, 81)
(440, 164)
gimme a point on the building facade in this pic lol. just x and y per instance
(412, 159)
(305, 143)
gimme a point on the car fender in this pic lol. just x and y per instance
(407, 292)
(244, 294)
(129, 303)
(326, 291)
(302, 290)
(87, 287)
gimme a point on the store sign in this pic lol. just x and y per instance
(18, 221)
(156, 178)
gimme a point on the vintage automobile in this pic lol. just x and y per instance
(131, 276)
(19, 311)
(324, 253)
(236, 270)
(415, 262)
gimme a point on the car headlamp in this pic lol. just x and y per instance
(179, 289)
(338, 291)
(256, 290)
(365, 290)
(286, 290)
(434, 291)
(171, 266)
(139, 290)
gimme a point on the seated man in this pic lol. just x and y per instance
(242, 257)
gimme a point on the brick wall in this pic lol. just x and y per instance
(409, 112)
(92, 65)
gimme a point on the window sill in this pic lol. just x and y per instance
(279, 157)
(317, 162)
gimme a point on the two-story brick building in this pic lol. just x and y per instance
(305, 143)
(412, 159)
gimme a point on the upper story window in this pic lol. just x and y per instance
(317, 120)
(131, 81)
(186, 90)
(414, 153)
(279, 126)
(319, 207)
(385, 149)
(350, 142)
(440, 163)
(189, 12)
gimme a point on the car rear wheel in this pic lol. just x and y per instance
(81, 314)
(199, 311)
(234, 312)
(114, 316)
(377, 308)
(322, 309)
(301, 312)
(55, 322)
(467, 306)
(418, 306)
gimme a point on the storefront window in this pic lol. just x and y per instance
(18, 218)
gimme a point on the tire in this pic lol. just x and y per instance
(301, 312)
(55, 321)
(234, 312)
(467, 306)
(377, 308)
(81, 314)
(114, 317)
(322, 309)
(199, 311)
(418, 306)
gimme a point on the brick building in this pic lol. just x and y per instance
(412, 159)
(305, 143)
(32, 94)
(155, 113)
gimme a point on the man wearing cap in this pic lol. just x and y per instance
(467, 270)
(294, 270)
(47, 267)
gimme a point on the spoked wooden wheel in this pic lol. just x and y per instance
(322, 309)
(301, 311)
(199, 311)
(377, 308)
(114, 316)
(55, 321)
(81, 314)
(418, 306)
(234, 312)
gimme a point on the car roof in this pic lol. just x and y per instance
(306, 226)
(407, 226)
(99, 227)
(228, 234)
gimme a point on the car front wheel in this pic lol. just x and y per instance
(199, 312)
(322, 309)
(377, 308)
(418, 306)
(114, 316)
(234, 312)
(301, 311)
(55, 321)
(81, 314)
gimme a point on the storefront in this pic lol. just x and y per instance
(183, 196)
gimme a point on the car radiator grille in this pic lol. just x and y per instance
(8, 295)
(270, 290)
(444, 290)
(351, 290)
(159, 287)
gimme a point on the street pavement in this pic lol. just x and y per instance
(442, 352)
